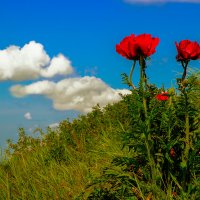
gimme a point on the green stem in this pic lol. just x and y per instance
(184, 65)
(143, 83)
(187, 125)
(185, 157)
(141, 62)
(145, 106)
(186, 152)
(131, 74)
(148, 139)
(150, 159)
(187, 136)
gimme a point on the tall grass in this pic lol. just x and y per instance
(60, 163)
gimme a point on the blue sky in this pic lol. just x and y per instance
(58, 57)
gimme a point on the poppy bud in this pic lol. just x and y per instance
(172, 152)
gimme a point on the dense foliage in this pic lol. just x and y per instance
(160, 165)
(145, 147)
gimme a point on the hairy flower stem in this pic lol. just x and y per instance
(143, 90)
(187, 143)
(131, 74)
(185, 158)
(184, 65)
(150, 158)
(187, 136)
(143, 82)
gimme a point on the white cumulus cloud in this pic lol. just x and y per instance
(28, 116)
(80, 93)
(31, 62)
(59, 65)
(160, 1)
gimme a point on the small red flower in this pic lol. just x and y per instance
(132, 47)
(172, 152)
(163, 96)
(174, 194)
(187, 50)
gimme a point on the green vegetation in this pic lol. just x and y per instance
(138, 148)
(145, 147)
(60, 163)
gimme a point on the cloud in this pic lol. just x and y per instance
(160, 1)
(59, 65)
(28, 116)
(80, 93)
(31, 62)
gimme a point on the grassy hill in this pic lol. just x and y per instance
(123, 151)
(61, 162)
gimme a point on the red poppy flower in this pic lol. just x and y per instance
(163, 96)
(132, 47)
(187, 50)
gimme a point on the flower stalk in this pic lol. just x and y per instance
(143, 83)
(184, 65)
(185, 158)
(131, 75)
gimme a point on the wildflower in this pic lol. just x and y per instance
(172, 152)
(187, 50)
(174, 194)
(164, 96)
(132, 47)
